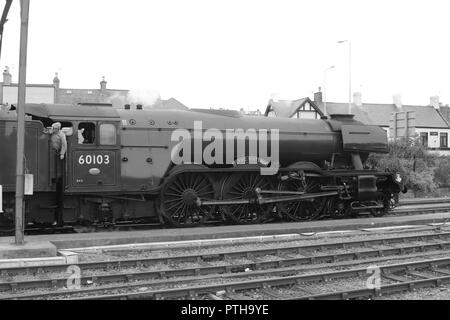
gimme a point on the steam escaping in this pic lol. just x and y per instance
(147, 98)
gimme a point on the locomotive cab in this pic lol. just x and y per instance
(94, 155)
(93, 147)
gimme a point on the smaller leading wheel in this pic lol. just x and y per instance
(385, 200)
(178, 201)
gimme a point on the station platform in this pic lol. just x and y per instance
(80, 240)
(32, 248)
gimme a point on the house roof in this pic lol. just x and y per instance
(379, 114)
(71, 96)
(287, 108)
(39, 85)
(169, 104)
(173, 103)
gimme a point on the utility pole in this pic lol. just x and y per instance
(3, 20)
(325, 89)
(20, 178)
(349, 74)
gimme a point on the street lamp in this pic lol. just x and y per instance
(325, 89)
(349, 73)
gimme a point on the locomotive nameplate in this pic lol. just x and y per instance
(87, 162)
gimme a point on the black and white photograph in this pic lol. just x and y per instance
(224, 158)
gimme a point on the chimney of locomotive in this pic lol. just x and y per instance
(397, 98)
(7, 77)
(434, 101)
(357, 99)
(318, 99)
(127, 107)
(139, 106)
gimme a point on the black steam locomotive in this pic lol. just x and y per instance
(185, 168)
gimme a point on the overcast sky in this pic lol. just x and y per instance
(238, 53)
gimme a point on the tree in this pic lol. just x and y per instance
(411, 160)
(442, 172)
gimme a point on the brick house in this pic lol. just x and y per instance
(431, 124)
(74, 96)
(53, 93)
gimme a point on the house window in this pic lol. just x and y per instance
(444, 140)
(307, 114)
(107, 134)
(424, 138)
(306, 111)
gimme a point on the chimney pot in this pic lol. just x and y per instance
(7, 77)
(318, 98)
(56, 81)
(103, 84)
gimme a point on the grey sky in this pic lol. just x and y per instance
(234, 54)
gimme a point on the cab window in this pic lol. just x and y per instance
(86, 133)
(107, 134)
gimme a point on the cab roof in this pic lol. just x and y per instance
(71, 111)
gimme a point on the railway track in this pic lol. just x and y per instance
(161, 273)
(420, 207)
(402, 277)
(413, 201)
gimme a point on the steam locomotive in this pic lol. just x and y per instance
(137, 166)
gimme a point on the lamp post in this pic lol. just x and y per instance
(349, 74)
(325, 89)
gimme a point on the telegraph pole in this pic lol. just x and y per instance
(349, 76)
(3, 20)
(20, 178)
(349, 111)
(325, 89)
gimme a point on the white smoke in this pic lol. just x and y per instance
(147, 98)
